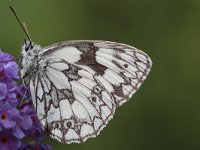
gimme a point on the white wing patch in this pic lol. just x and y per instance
(71, 54)
(82, 83)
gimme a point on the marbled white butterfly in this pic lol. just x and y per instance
(76, 86)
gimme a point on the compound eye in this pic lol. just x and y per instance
(27, 47)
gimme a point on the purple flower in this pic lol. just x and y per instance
(17, 118)
(6, 116)
(8, 141)
(5, 57)
(11, 69)
(3, 90)
(8, 68)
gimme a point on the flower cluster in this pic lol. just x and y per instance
(18, 121)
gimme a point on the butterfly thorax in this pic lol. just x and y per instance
(29, 59)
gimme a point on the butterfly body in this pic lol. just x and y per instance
(76, 86)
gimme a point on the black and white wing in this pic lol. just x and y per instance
(82, 83)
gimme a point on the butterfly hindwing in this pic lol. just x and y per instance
(71, 107)
(81, 83)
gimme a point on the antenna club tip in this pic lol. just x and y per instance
(20, 23)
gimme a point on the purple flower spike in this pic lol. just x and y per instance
(17, 119)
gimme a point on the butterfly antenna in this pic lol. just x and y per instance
(22, 26)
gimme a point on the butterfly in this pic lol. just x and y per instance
(76, 86)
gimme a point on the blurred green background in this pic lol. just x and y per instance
(165, 113)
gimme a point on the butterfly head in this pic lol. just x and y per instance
(28, 45)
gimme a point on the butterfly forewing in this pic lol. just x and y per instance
(81, 83)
